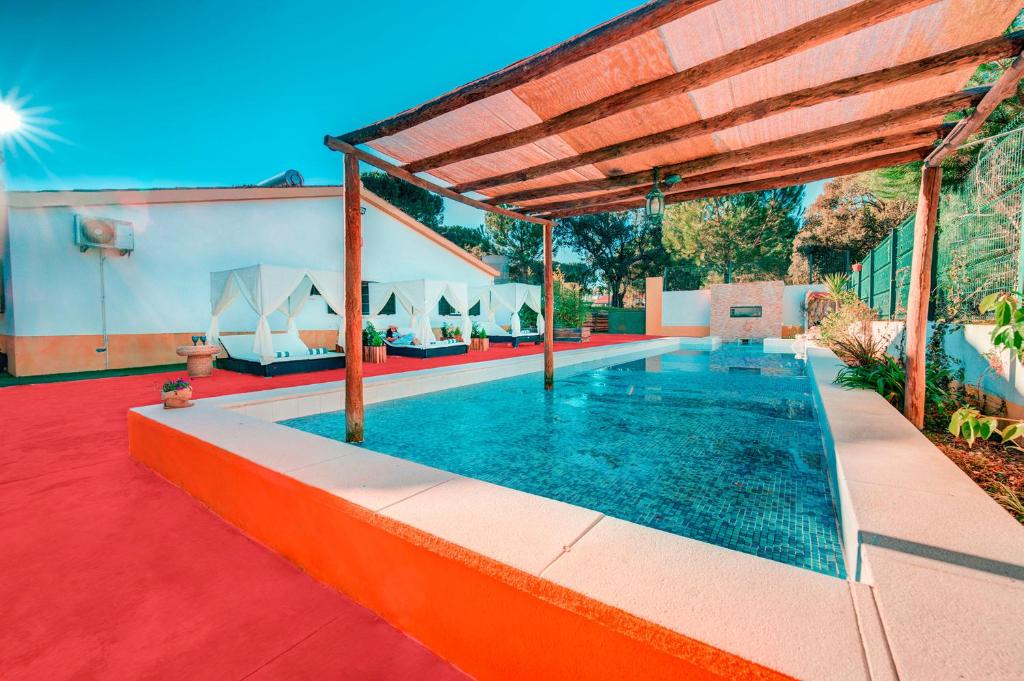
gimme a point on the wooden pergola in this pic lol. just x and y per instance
(722, 98)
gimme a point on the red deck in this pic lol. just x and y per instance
(110, 572)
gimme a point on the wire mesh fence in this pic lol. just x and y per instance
(978, 246)
(978, 250)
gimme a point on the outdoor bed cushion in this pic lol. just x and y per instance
(239, 346)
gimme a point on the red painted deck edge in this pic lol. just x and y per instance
(491, 620)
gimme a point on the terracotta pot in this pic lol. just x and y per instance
(176, 399)
(375, 355)
(480, 344)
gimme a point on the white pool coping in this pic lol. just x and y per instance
(944, 562)
(793, 620)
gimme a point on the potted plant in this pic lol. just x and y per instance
(571, 314)
(451, 332)
(479, 339)
(374, 350)
(176, 394)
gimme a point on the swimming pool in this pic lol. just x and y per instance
(722, 446)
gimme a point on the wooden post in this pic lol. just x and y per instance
(353, 302)
(920, 292)
(549, 311)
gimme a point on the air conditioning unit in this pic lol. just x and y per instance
(118, 235)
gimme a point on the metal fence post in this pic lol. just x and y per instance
(1020, 248)
(893, 256)
(871, 279)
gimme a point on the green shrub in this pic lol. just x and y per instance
(888, 377)
(450, 332)
(372, 337)
(571, 310)
(851, 317)
(477, 331)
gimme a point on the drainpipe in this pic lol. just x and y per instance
(103, 311)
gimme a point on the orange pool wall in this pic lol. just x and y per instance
(491, 620)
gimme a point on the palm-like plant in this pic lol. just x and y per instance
(836, 285)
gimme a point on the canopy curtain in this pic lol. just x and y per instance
(269, 288)
(457, 295)
(481, 295)
(513, 296)
(419, 297)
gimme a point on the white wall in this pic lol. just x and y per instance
(971, 345)
(793, 302)
(686, 308)
(164, 286)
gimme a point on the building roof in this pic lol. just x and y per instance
(134, 197)
(729, 95)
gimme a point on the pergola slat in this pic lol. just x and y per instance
(802, 37)
(629, 25)
(801, 177)
(396, 171)
(838, 133)
(776, 166)
(888, 120)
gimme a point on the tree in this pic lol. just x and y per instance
(851, 215)
(747, 234)
(424, 206)
(476, 240)
(620, 247)
(521, 242)
(579, 273)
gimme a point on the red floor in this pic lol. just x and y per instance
(107, 571)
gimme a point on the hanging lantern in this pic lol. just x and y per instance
(857, 267)
(655, 207)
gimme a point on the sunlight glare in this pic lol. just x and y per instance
(10, 119)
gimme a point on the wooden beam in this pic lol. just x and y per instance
(549, 310)
(1004, 87)
(396, 171)
(933, 108)
(620, 29)
(353, 302)
(797, 39)
(776, 166)
(802, 177)
(920, 292)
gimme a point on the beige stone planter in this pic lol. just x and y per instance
(176, 399)
(375, 355)
(480, 344)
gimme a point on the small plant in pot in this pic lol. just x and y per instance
(374, 350)
(479, 339)
(176, 394)
(451, 332)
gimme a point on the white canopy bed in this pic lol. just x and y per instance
(509, 298)
(419, 298)
(268, 289)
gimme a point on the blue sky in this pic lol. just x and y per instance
(222, 93)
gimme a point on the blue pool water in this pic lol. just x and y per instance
(721, 446)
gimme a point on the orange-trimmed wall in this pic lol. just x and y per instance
(491, 620)
(40, 355)
(653, 315)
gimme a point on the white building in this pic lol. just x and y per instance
(67, 310)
